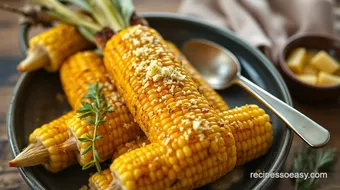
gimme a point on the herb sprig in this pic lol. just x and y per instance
(94, 113)
(309, 160)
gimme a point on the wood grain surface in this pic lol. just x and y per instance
(326, 115)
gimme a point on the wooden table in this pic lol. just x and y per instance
(326, 115)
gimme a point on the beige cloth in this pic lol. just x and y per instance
(266, 24)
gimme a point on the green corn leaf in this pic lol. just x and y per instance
(108, 14)
(126, 9)
(83, 4)
(86, 150)
(76, 18)
(87, 33)
(98, 14)
(59, 16)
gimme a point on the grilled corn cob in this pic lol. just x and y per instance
(78, 72)
(41, 149)
(49, 49)
(249, 125)
(87, 68)
(252, 130)
(102, 181)
(209, 93)
(190, 144)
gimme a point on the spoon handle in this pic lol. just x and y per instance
(311, 132)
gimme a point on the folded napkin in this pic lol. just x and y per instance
(266, 24)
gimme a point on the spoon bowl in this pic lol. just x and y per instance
(220, 68)
(219, 76)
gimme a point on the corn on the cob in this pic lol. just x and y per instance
(49, 49)
(250, 126)
(252, 130)
(87, 68)
(42, 140)
(78, 72)
(102, 181)
(209, 93)
(187, 135)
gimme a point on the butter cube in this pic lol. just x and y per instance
(328, 79)
(310, 54)
(308, 78)
(310, 69)
(324, 62)
(296, 60)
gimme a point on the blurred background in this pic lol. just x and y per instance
(325, 114)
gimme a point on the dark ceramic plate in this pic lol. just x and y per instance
(35, 102)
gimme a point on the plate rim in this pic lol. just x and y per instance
(285, 145)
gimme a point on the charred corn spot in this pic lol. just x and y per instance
(252, 130)
(59, 42)
(87, 68)
(48, 135)
(128, 64)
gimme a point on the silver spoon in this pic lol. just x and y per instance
(220, 68)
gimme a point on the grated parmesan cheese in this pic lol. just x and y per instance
(201, 136)
(127, 125)
(196, 124)
(153, 69)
